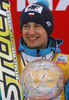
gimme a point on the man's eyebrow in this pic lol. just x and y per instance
(26, 23)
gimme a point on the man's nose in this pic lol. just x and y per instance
(31, 31)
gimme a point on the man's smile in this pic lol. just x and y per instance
(32, 38)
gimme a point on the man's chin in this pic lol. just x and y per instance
(33, 47)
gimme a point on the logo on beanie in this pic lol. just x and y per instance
(48, 23)
(34, 7)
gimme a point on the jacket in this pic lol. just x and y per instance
(53, 54)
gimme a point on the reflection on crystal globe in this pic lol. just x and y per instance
(42, 79)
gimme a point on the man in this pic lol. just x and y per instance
(36, 24)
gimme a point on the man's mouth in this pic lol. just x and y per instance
(33, 38)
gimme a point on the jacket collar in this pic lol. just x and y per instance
(53, 45)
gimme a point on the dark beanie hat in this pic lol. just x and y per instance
(37, 13)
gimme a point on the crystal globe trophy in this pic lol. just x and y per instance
(42, 79)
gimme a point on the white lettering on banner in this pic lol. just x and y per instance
(20, 4)
(50, 4)
(61, 6)
(31, 1)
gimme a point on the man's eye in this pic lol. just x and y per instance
(38, 26)
(25, 26)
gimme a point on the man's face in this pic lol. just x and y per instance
(34, 35)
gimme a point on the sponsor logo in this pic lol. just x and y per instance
(9, 79)
(34, 7)
(48, 23)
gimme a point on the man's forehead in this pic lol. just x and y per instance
(34, 23)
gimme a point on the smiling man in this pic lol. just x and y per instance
(36, 24)
(34, 35)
